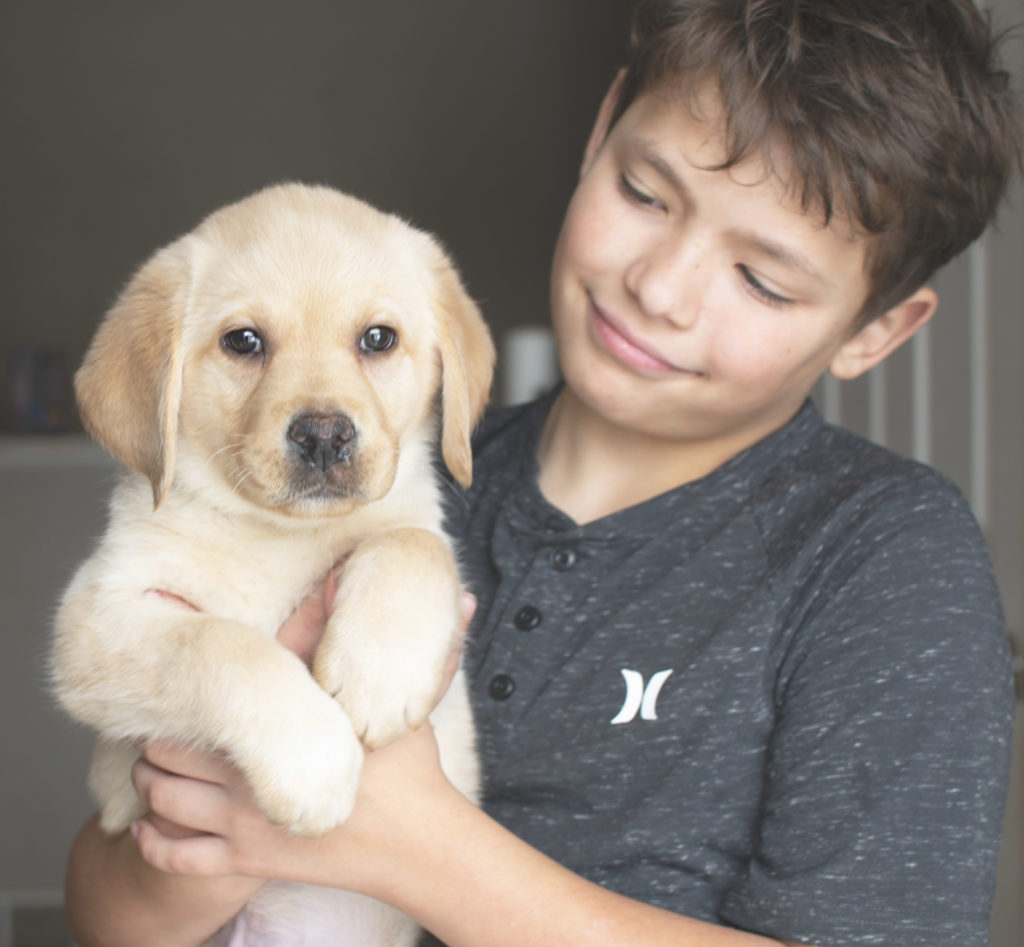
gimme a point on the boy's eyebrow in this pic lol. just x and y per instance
(646, 152)
(785, 256)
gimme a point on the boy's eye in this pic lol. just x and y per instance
(758, 289)
(635, 195)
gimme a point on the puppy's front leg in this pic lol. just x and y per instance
(213, 683)
(390, 636)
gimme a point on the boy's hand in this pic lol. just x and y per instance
(202, 819)
(204, 822)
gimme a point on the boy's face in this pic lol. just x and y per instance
(697, 305)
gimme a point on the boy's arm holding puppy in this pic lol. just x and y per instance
(429, 852)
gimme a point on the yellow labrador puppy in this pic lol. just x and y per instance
(276, 383)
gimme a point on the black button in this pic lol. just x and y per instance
(501, 687)
(563, 559)
(527, 618)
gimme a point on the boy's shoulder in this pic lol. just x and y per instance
(840, 498)
(845, 465)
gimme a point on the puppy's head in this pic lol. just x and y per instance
(289, 349)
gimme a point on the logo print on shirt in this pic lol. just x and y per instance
(640, 699)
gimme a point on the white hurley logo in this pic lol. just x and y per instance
(639, 698)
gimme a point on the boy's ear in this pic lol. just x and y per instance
(882, 336)
(603, 122)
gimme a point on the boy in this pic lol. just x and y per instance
(741, 676)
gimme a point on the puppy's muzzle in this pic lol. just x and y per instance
(319, 441)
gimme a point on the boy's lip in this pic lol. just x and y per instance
(626, 347)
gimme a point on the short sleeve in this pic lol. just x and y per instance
(886, 776)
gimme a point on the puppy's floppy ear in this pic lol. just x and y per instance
(467, 366)
(129, 386)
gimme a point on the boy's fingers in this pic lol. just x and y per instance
(303, 629)
(184, 761)
(182, 806)
(201, 855)
(171, 830)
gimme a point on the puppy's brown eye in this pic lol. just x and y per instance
(378, 339)
(243, 342)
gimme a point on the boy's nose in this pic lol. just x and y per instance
(668, 282)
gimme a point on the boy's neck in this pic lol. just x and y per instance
(591, 468)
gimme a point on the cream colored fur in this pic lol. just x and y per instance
(220, 524)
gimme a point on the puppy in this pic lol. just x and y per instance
(275, 383)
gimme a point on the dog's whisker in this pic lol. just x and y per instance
(234, 447)
(238, 479)
(216, 453)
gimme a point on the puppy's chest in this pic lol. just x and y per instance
(261, 584)
(235, 565)
(226, 569)
(262, 580)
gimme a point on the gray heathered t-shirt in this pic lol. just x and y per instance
(777, 698)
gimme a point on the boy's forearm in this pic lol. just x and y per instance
(114, 898)
(474, 884)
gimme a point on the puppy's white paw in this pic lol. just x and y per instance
(382, 716)
(389, 639)
(383, 693)
(305, 772)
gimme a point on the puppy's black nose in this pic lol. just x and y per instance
(322, 440)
